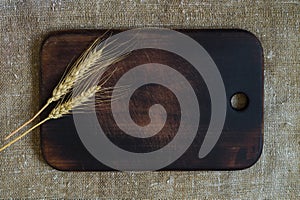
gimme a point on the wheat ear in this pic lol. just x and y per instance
(79, 70)
(60, 110)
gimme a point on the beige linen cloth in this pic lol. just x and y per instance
(23, 26)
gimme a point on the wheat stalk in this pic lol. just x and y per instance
(82, 68)
(61, 109)
(85, 71)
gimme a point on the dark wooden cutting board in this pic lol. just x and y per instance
(239, 58)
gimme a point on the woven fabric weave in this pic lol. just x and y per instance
(23, 26)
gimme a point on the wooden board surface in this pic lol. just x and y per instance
(237, 54)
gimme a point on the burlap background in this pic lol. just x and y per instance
(23, 25)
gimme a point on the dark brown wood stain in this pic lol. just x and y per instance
(237, 54)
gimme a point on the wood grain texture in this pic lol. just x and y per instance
(239, 58)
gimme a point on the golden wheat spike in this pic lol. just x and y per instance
(88, 66)
(79, 70)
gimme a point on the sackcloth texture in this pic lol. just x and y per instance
(25, 23)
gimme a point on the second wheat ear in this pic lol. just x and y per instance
(88, 66)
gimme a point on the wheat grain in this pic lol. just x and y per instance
(85, 70)
(77, 72)
(71, 104)
(82, 68)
